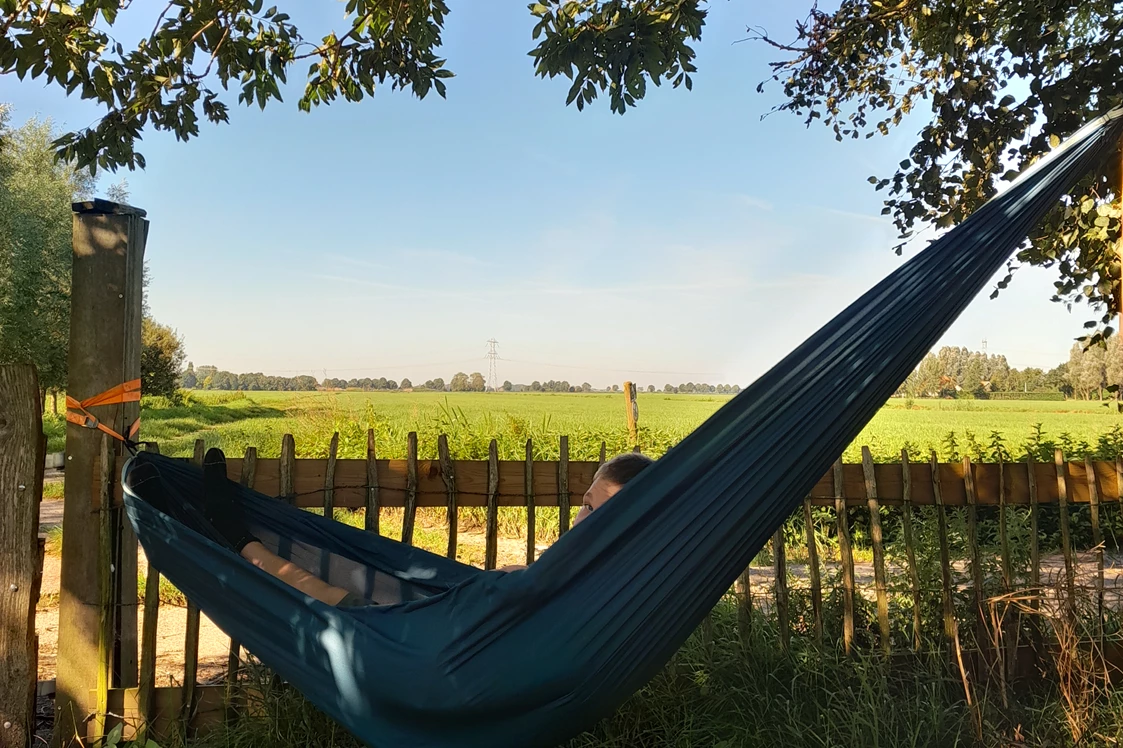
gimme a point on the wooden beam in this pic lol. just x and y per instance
(355, 489)
(105, 299)
(21, 488)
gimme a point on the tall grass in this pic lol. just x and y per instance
(236, 420)
(733, 687)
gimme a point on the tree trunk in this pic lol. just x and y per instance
(54, 401)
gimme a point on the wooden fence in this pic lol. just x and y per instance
(373, 484)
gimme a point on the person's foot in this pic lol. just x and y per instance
(220, 504)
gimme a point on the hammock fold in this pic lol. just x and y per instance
(454, 656)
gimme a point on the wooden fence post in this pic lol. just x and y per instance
(632, 413)
(813, 572)
(878, 549)
(105, 301)
(780, 567)
(373, 504)
(448, 475)
(491, 541)
(948, 604)
(910, 547)
(1066, 536)
(973, 553)
(845, 558)
(528, 491)
(563, 485)
(409, 511)
(21, 488)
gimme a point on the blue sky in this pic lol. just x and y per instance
(686, 240)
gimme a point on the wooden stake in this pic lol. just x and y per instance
(973, 550)
(1010, 666)
(878, 549)
(1066, 537)
(146, 692)
(945, 562)
(373, 507)
(410, 514)
(813, 572)
(448, 474)
(1034, 551)
(104, 352)
(106, 608)
(329, 476)
(329, 501)
(528, 493)
(234, 659)
(288, 465)
(287, 488)
(1097, 541)
(491, 541)
(21, 488)
(1003, 530)
(191, 643)
(563, 486)
(846, 558)
(743, 588)
(910, 547)
(632, 413)
(780, 566)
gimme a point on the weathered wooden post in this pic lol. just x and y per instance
(22, 451)
(105, 320)
(632, 413)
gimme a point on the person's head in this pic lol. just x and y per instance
(609, 479)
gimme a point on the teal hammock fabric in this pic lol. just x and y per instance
(454, 656)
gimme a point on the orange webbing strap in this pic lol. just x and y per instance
(76, 412)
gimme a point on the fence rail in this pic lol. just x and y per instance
(304, 481)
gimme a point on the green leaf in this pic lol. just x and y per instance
(114, 736)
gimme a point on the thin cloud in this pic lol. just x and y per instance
(880, 220)
(754, 202)
(533, 289)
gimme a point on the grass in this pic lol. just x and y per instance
(734, 687)
(237, 420)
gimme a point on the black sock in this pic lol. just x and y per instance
(220, 502)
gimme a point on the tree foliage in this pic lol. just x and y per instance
(1094, 369)
(201, 51)
(1003, 83)
(161, 358)
(35, 249)
(957, 372)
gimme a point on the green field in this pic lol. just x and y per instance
(235, 421)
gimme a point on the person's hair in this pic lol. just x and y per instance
(622, 468)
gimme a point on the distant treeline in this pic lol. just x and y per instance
(951, 372)
(213, 378)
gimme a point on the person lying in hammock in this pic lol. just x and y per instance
(224, 514)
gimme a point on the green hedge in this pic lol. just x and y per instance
(1052, 396)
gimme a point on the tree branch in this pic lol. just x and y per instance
(12, 18)
(338, 46)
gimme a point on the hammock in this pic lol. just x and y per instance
(455, 656)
